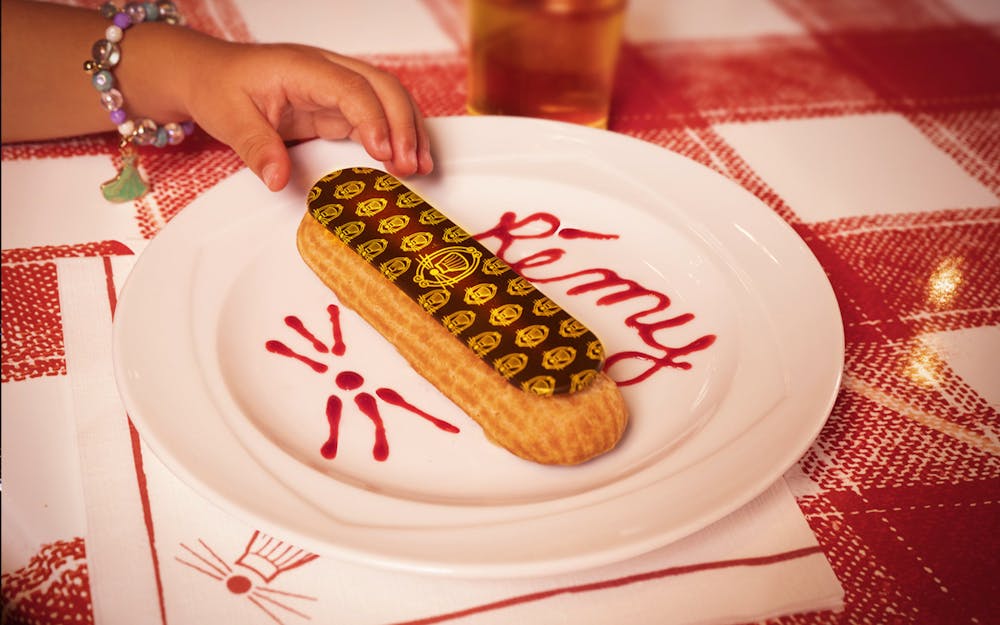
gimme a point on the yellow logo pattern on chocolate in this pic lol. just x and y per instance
(372, 248)
(510, 365)
(531, 336)
(408, 199)
(502, 317)
(367, 208)
(328, 212)
(416, 241)
(506, 314)
(432, 301)
(571, 328)
(485, 342)
(387, 182)
(393, 224)
(580, 380)
(544, 307)
(455, 235)
(459, 321)
(347, 232)
(348, 189)
(595, 350)
(481, 293)
(431, 217)
(520, 286)
(495, 267)
(447, 266)
(558, 357)
(540, 385)
(395, 267)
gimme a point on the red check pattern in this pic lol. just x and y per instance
(902, 488)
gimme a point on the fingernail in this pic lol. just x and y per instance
(268, 174)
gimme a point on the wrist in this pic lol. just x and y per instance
(160, 98)
(152, 74)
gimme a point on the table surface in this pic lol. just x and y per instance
(873, 129)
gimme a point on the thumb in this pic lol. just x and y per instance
(264, 152)
(259, 145)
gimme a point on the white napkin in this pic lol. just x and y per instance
(160, 553)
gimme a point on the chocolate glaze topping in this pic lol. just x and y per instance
(504, 319)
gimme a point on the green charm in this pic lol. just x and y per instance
(128, 185)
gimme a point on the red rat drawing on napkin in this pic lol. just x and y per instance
(263, 559)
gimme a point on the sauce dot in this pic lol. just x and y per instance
(349, 380)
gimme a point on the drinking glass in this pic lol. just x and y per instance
(553, 59)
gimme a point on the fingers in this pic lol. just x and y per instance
(425, 162)
(422, 149)
(275, 92)
(393, 120)
(254, 139)
(354, 97)
(403, 120)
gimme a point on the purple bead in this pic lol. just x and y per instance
(118, 117)
(188, 128)
(122, 20)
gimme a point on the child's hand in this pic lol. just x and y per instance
(252, 97)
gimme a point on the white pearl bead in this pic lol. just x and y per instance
(126, 128)
(114, 34)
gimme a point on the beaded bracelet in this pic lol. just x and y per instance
(106, 53)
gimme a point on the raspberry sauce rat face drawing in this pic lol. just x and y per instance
(351, 382)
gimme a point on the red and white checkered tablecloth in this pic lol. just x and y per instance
(871, 127)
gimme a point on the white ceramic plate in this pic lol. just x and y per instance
(652, 251)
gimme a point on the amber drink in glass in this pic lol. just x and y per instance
(553, 59)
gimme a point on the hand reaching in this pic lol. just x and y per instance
(254, 97)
